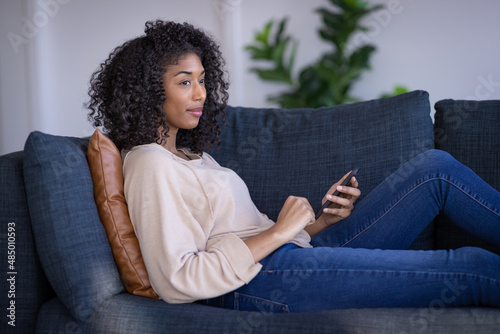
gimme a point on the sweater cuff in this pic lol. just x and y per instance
(239, 257)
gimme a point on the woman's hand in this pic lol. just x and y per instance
(295, 215)
(343, 204)
(340, 208)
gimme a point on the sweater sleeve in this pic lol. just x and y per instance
(172, 218)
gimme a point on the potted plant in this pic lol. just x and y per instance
(330, 79)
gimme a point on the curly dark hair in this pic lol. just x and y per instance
(127, 93)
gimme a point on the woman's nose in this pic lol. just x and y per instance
(199, 93)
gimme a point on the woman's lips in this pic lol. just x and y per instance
(196, 111)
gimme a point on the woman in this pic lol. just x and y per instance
(159, 97)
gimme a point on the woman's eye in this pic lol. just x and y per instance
(202, 81)
(185, 83)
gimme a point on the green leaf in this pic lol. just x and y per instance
(281, 29)
(397, 90)
(278, 52)
(329, 80)
(291, 60)
(273, 49)
(271, 75)
(257, 53)
(263, 35)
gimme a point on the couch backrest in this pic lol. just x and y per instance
(303, 152)
(470, 131)
(24, 287)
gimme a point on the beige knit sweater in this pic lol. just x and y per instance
(191, 217)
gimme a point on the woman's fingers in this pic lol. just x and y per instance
(351, 190)
(340, 202)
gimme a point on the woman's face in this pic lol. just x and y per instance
(185, 93)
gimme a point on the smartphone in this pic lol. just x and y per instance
(346, 182)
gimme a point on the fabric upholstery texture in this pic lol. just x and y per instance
(302, 152)
(469, 131)
(69, 236)
(30, 288)
(127, 314)
(461, 131)
(107, 175)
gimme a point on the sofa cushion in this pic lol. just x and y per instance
(302, 152)
(127, 314)
(469, 131)
(69, 236)
(106, 170)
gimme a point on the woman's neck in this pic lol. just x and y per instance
(170, 144)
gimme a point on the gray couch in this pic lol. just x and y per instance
(58, 274)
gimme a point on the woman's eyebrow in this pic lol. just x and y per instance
(187, 72)
(183, 72)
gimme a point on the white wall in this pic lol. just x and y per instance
(451, 48)
(447, 47)
(15, 122)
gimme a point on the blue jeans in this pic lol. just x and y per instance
(362, 261)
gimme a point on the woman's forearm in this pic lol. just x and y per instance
(265, 243)
(268, 241)
(293, 217)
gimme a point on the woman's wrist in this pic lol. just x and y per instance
(266, 242)
(318, 226)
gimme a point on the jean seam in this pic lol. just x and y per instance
(407, 194)
(461, 274)
(260, 300)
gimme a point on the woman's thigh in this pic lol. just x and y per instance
(298, 280)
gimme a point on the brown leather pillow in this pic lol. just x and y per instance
(107, 176)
